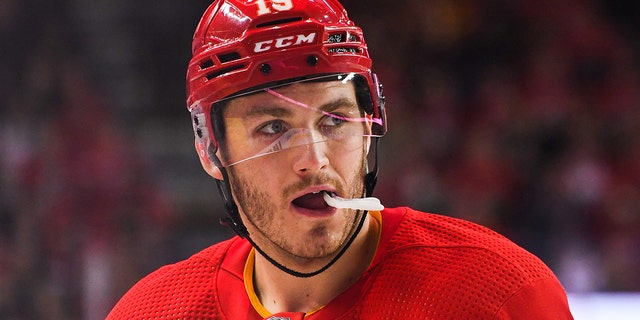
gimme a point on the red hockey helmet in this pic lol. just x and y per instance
(243, 44)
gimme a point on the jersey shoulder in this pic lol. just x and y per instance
(184, 289)
(448, 234)
(462, 269)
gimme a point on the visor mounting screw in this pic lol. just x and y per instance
(312, 60)
(265, 68)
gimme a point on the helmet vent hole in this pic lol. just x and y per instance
(278, 22)
(344, 50)
(206, 64)
(220, 72)
(228, 57)
(265, 68)
(336, 38)
(312, 60)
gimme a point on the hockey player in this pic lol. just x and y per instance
(287, 116)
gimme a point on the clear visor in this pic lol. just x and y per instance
(325, 113)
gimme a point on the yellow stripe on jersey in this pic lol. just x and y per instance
(248, 274)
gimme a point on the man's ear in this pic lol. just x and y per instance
(207, 165)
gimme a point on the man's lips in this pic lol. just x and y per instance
(312, 198)
(311, 201)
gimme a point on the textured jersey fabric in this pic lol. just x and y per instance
(426, 267)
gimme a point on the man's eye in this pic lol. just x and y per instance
(273, 127)
(333, 121)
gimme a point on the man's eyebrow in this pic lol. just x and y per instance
(265, 110)
(338, 103)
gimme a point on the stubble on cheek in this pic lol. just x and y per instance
(256, 205)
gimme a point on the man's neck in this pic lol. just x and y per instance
(280, 292)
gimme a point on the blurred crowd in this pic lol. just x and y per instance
(521, 115)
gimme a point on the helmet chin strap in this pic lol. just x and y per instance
(371, 178)
(233, 219)
(326, 266)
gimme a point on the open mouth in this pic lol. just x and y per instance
(311, 201)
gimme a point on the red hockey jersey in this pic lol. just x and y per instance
(426, 267)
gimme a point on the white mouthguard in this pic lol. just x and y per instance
(370, 203)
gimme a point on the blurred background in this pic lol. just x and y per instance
(520, 115)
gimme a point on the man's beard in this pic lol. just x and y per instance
(260, 209)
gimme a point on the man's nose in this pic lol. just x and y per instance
(311, 158)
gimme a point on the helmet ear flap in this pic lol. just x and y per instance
(205, 144)
(371, 97)
(378, 95)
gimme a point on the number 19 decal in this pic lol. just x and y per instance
(277, 5)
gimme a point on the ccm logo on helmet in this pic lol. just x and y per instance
(284, 42)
